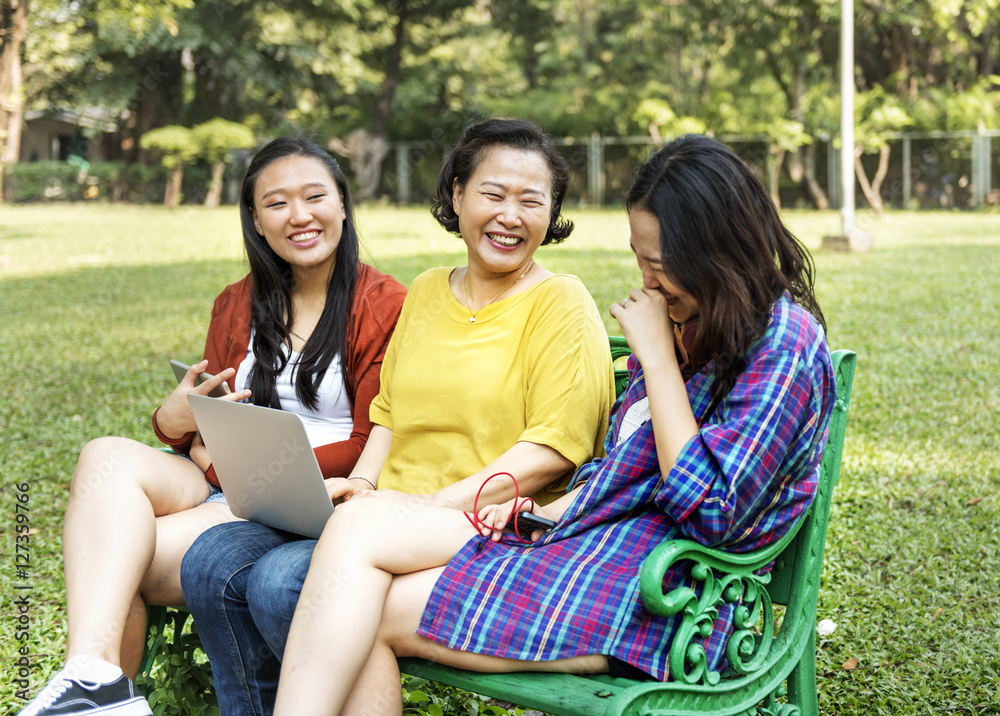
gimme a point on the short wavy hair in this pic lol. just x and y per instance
(467, 155)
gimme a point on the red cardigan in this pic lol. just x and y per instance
(378, 299)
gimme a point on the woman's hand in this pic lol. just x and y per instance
(493, 518)
(341, 489)
(199, 453)
(175, 419)
(649, 331)
(647, 327)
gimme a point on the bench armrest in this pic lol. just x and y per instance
(725, 578)
(619, 349)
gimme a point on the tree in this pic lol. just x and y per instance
(781, 50)
(366, 73)
(217, 139)
(661, 122)
(178, 62)
(879, 115)
(13, 29)
(382, 67)
(176, 145)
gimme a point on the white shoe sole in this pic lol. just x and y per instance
(133, 707)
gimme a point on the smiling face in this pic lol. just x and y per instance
(504, 209)
(298, 210)
(645, 229)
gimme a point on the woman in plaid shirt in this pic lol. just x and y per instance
(717, 438)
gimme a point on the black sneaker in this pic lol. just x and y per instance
(68, 696)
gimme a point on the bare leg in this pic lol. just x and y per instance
(161, 583)
(134, 638)
(109, 536)
(364, 544)
(376, 692)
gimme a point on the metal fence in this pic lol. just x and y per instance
(926, 169)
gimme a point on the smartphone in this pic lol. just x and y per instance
(181, 369)
(528, 522)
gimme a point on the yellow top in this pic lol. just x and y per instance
(534, 367)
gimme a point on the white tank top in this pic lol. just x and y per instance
(331, 421)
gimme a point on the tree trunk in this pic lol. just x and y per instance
(215, 188)
(157, 99)
(172, 195)
(819, 196)
(654, 132)
(874, 200)
(774, 173)
(883, 169)
(795, 160)
(366, 152)
(899, 58)
(13, 30)
(986, 63)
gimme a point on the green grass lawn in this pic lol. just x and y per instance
(96, 298)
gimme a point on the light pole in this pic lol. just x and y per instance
(850, 239)
(847, 117)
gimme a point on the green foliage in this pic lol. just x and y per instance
(61, 181)
(180, 680)
(41, 181)
(105, 172)
(978, 105)
(633, 67)
(429, 698)
(144, 183)
(218, 138)
(876, 115)
(575, 65)
(662, 122)
(175, 145)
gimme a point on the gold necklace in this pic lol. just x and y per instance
(465, 285)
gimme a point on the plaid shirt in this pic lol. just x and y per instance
(740, 484)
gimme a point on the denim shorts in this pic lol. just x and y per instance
(215, 494)
(214, 491)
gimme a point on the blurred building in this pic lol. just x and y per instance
(58, 134)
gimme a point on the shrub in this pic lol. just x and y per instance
(180, 680)
(143, 183)
(62, 181)
(43, 181)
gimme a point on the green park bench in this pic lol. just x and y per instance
(771, 659)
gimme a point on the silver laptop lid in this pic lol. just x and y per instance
(265, 465)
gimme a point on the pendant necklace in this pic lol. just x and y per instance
(465, 285)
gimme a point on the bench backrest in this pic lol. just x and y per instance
(804, 556)
(719, 577)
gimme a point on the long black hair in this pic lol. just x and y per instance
(722, 241)
(467, 155)
(271, 277)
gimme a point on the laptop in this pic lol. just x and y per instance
(262, 458)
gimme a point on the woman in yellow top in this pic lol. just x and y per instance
(497, 366)
(519, 389)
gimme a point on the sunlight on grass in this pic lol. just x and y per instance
(96, 298)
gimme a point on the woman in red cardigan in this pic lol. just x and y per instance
(305, 331)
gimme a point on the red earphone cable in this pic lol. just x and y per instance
(474, 517)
